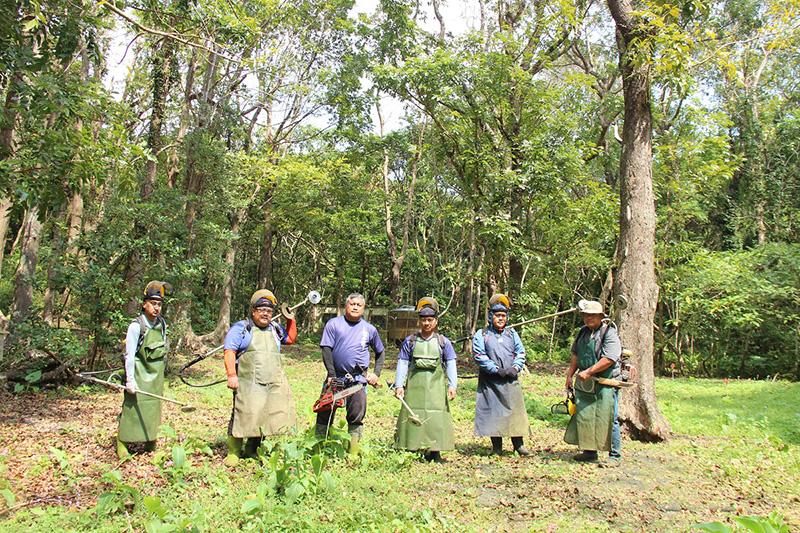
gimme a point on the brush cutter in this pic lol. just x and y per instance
(185, 407)
(613, 382)
(566, 407)
(413, 418)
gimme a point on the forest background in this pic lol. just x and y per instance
(249, 145)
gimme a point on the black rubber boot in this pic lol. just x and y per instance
(436, 457)
(251, 447)
(586, 456)
(497, 445)
(519, 447)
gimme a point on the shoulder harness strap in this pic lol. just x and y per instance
(439, 338)
(143, 325)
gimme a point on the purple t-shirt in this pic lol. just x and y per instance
(349, 343)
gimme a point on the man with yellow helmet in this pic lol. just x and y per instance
(145, 348)
(500, 406)
(426, 358)
(262, 400)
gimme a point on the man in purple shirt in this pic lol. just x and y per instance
(345, 351)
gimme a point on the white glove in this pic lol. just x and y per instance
(130, 386)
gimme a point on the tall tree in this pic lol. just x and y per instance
(635, 275)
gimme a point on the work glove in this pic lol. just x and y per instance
(509, 372)
(130, 386)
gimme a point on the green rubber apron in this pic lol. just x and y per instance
(263, 404)
(141, 415)
(590, 427)
(426, 394)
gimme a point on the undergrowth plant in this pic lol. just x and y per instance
(161, 520)
(771, 524)
(118, 498)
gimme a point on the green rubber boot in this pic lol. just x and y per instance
(355, 444)
(150, 446)
(234, 451)
(355, 439)
(122, 450)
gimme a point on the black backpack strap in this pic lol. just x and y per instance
(598, 345)
(412, 343)
(248, 328)
(143, 325)
(142, 330)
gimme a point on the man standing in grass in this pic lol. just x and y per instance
(345, 351)
(262, 401)
(427, 358)
(595, 353)
(500, 406)
(145, 349)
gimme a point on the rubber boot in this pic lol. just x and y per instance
(355, 439)
(122, 450)
(234, 451)
(435, 457)
(251, 448)
(586, 456)
(497, 446)
(519, 447)
(321, 430)
(150, 446)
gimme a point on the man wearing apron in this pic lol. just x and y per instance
(427, 358)
(500, 407)
(262, 400)
(595, 352)
(145, 349)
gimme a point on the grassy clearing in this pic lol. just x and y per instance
(734, 453)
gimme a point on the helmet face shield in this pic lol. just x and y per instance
(156, 290)
(500, 299)
(263, 298)
(428, 307)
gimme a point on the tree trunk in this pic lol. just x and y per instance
(5, 216)
(26, 271)
(226, 296)
(55, 256)
(635, 276)
(265, 263)
(161, 81)
(173, 166)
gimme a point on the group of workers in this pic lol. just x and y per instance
(425, 380)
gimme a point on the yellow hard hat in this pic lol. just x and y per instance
(427, 302)
(156, 290)
(500, 299)
(259, 296)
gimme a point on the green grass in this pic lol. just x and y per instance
(739, 409)
(735, 452)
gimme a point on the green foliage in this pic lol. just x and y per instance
(117, 499)
(297, 468)
(164, 521)
(741, 309)
(771, 524)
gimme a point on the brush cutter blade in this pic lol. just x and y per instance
(188, 409)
